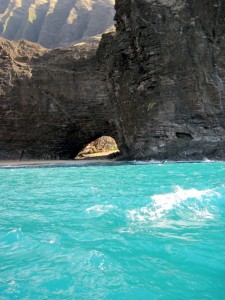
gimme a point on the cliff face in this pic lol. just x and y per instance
(54, 23)
(52, 103)
(157, 86)
(168, 76)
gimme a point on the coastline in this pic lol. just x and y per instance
(5, 164)
(94, 159)
(10, 164)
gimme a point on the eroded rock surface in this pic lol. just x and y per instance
(168, 74)
(157, 86)
(52, 102)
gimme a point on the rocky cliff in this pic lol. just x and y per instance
(157, 86)
(54, 23)
(168, 76)
(52, 103)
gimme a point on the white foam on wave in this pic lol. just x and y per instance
(97, 260)
(164, 203)
(95, 189)
(206, 160)
(12, 282)
(147, 162)
(14, 235)
(100, 208)
(167, 201)
(15, 230)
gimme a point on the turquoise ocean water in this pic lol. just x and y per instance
(132, 231)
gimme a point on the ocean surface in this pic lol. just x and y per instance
(124, 231)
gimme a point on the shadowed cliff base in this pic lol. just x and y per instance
(157, 86)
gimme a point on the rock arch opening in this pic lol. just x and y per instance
(104, 147)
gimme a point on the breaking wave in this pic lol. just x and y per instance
(180, 202)
(113, 232)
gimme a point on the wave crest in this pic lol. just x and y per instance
(181, 202)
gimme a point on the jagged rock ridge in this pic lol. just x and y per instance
(54, 23)
(157, 86)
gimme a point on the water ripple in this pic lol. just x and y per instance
(133, 231)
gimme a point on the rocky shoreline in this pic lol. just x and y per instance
(89, 162)
(55, 163)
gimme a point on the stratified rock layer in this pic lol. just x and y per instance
(53, 103)
(157, 86)
(168, 74)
